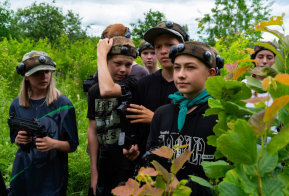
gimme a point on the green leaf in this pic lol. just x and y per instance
(212, 111)
(216, 169)
(255, 84)
(201, 181)
(248, 184)
(269, 71)
(160, 183)
(284, 116)
(229, 189)
(258, 125)
(163, 171)
(279, 141)
(235, 109)
(268, 163)
(182, 189)
(180, 161)
(239, 145)
(212, 140)
(271, 186)
(231, 176)
(218, 154)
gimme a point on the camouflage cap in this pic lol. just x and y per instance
(166, 27)
(124, 50)
(194, 50)
(37, 60)
(144, 45)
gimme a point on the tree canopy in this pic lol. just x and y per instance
(230, 18)
(42, 20)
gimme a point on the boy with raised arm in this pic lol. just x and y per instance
(115, 58)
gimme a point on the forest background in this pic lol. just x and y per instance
(43, 26)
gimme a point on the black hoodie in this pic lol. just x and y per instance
(152, 92)
(195, 132)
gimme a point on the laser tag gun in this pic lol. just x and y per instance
(33, 127)
(102, 162)
(3, 189)
(87, 83)
(127, 137)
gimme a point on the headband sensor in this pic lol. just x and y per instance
(124, 50)
(210, 60)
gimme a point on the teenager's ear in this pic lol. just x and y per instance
(212, 72)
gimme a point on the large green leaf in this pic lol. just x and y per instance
(258, 125)
(230, 189)
(232, 176)
(232, 108)
(182, 189)
(221, 127)
(166, 175)
(269, 71)
(248, 183)
(227, 90)
(160, 183)
(284, 116)
(271, 186)
(212, 140)
(255, 84)
(239, 145)
(285, 179)
(216, 169)
(201, 181)
(279, 141)
(180, 161)
(267, 163)
(280, 91)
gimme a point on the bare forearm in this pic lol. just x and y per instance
(93, 150)
(64, 146)
(107, 87)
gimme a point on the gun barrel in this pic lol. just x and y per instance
(30, 126)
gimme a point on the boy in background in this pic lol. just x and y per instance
(148, 56)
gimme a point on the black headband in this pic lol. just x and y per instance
(123, 50)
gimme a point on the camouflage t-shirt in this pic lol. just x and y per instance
(108, 124)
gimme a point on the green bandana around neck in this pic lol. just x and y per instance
(184, 104)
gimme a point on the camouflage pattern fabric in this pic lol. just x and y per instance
(37, 60)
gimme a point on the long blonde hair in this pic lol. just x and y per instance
(52, 93)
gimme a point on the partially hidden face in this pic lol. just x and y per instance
(163, 44)
(190, 75)
(39, 80)
(119, 66)
(265, 58)
(149, 57)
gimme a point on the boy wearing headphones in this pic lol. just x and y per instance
(115, 58)
(182, 122)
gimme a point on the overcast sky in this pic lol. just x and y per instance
(104, 12)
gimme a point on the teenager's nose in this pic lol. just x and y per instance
(164, 50)
(265, 60)
(122, 68)
(181, 73)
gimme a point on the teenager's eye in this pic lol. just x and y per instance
(46, 71)
(145, 53)
(176, 67)
(191, 67)
(153, 53)
(157, 47)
